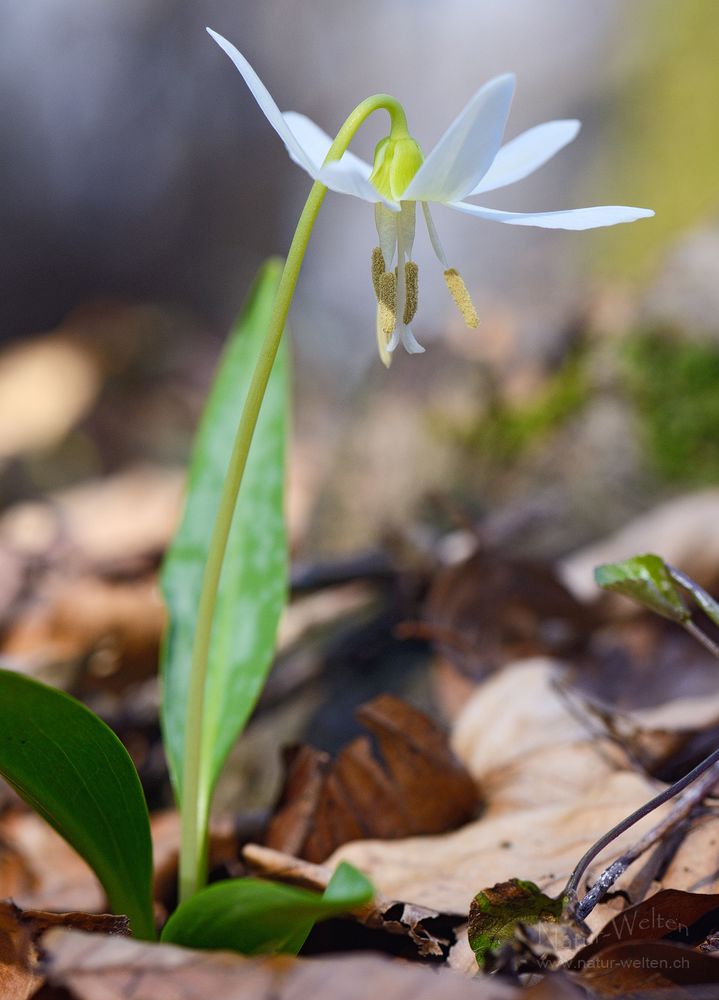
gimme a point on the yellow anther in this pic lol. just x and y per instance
(387, 302)
(382, 340)
(378, 269)
(411, 273)
(462, 298)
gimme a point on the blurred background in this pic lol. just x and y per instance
(141, 190)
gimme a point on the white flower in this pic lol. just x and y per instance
(468, 160)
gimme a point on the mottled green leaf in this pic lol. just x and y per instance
(647, 580)
(255, 916)
(72, 769)
(253, 585)
(494, 913)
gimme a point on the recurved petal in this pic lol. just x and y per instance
(409, 341)
(316, 143)
(268, 107)
(570, 218)
(526, 153)
(386, 223)
(346, 177)
(465, 152)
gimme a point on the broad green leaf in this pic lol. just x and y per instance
(72, 769)
(705, 601)
(494, 914)
(254, 916)
(253, 586)
(646, 579)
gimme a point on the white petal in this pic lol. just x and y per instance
(526, 153)
(409, 341)
(346, 178)
(393, 341)
(268, 107)
(465, 152)
(434, 236)
(570, 218)
(407, 220)
(386, 223)
(316, 143)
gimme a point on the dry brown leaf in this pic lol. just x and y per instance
(652, 970)
(94, 968)
(117, 632)
(417, 786)
(60, 879)
(46, 386)
(490, 610)
(89, 524)
(79, 549)
(19, 975)
(683, 917)
(682, 530)
(54, 876)
(667, 740)
(20, 932)
(695, 866)
(552, 790)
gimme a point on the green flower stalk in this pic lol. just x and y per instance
(466, 161)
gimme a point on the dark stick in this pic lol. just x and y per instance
(629, 821)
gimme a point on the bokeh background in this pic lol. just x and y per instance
(141, 189)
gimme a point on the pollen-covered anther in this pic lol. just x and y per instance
(462, 298)
(378, 269)
(411, 273)
(387, 302)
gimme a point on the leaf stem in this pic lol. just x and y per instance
(682, 808)
(629, 821)
(196, 790)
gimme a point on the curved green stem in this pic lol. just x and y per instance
(196, 793)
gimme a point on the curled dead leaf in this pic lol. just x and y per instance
(21, 971)
(417, 786)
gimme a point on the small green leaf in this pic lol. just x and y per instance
(494, 913)
(72, 769)
(254, 916)
(253, 586)
(647, 580)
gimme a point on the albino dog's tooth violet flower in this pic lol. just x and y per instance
(468, 160)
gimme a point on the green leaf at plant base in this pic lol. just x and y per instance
(494, 913)
(254, 916)
(72, 769)
(645, 579)
(253, 586)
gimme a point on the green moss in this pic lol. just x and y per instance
(508, 430)
(674, 387)
(495, 913)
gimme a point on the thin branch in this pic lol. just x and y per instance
(701, 637)
(629, 821)
(682, 808)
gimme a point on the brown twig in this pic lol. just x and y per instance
(708, 770)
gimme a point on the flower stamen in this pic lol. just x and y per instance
(378, 269)
(411, 274)
(387, 300)
(462, 298)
